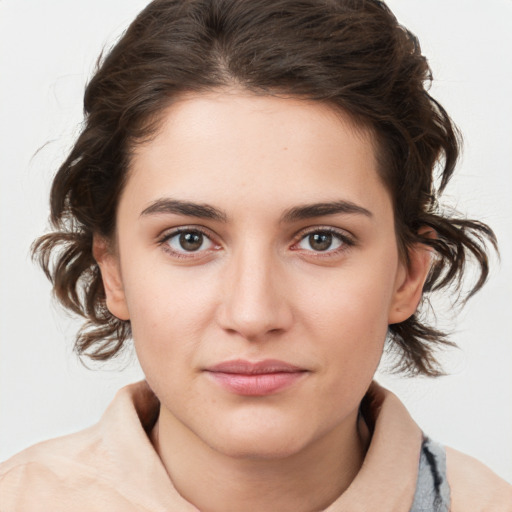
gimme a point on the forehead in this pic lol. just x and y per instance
(244, 113)
(230, 144)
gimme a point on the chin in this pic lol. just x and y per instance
(256, 440)
(259, 449)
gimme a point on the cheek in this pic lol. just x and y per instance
(167, 309)
(350, 315)
(358, 300)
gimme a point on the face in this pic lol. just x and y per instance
(257, 262)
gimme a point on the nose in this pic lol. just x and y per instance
(255, 303)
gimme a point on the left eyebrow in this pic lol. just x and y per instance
(309, 211)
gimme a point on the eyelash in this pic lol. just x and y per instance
(345, 240)
(169, 235)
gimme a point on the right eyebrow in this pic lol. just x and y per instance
(190, 209)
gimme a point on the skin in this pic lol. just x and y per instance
(258, 288)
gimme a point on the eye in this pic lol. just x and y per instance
(184, 241)
(324, 241)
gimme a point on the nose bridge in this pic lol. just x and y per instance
(254, 303)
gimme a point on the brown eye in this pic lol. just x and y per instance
(322, 241)
(191, 241)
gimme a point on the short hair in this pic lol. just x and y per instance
(352, 55)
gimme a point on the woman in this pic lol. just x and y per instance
(252, 200)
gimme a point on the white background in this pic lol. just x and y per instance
(47, 52)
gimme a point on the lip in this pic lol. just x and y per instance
(258, 378)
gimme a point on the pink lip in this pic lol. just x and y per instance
(255, 379)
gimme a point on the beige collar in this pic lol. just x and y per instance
(386, 481)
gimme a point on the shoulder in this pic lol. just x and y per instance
(59, 467)
(82, 447)
(96, 468)
(473, 486)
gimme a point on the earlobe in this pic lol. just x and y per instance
(409, 285)
(111, 277)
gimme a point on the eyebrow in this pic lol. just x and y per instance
(309, 211)
(175, 206)
(206, 211)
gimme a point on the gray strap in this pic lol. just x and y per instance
(432, 490)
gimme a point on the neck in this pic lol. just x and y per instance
(310, 479)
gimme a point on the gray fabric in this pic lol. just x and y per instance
(432, 490)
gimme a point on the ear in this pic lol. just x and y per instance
(110, 269)
(410, 280)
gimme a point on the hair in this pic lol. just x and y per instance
(350, 54)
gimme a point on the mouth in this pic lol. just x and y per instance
(255, 378)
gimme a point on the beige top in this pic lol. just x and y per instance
(112, 466)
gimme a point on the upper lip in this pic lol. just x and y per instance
(243, 367)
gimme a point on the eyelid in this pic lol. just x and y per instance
(348, 240)
(168, 234)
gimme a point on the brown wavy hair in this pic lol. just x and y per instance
(350, 54)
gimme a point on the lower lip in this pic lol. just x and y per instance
(256, 384)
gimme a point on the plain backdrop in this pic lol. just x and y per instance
(47, 52)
